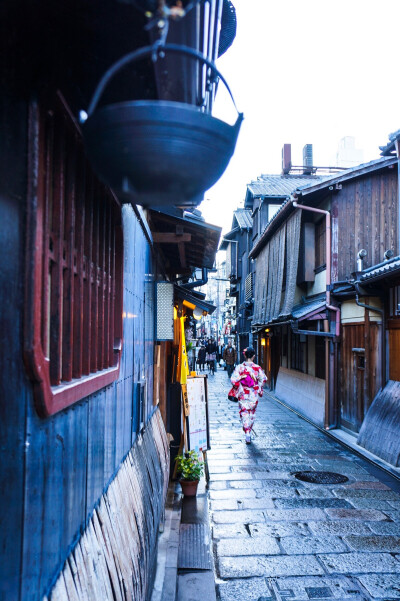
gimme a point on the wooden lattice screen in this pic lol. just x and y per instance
(74, 278)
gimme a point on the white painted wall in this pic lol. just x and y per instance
(302, 392)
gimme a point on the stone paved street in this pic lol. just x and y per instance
(275, 537)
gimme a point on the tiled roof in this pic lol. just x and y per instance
(347, 174)
(390, 147)
(300, 311)
(281, 185)
(313, 186)
(382, 270)
(244, 219)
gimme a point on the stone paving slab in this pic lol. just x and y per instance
(278, 529)
(229, 531)
(276, 492)
(341, 467)
(249, 589)
(196, 585)
(381, 586)
(367, 486)
(253, 546)
(366, 515)
(374, 543)
(247, 493)
(385, 527)
(228, 476)
(280, 483)
(219, 485)
(360, 563)
(392, 514)
(371, 504)
(231, 567)
(244, 484)
(314, 493)
(308, 503)
(296, 515)
(228, 517)
(244, 503)
(306, 545)
(342, 527)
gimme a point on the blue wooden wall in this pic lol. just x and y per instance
(54, 470)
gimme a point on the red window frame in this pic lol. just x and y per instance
(74, 265)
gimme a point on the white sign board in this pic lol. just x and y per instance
(198, 418)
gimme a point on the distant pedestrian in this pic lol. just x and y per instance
(201, 358)
(211, 357)
(248, 380)
(229, 356)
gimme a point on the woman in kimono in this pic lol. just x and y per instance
(248, 380)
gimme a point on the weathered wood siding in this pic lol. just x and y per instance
(367, 217)
(14, 393)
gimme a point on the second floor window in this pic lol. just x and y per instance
(74, 308)
(320, 244)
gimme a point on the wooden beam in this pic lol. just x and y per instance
(170, 238)
(182, 254)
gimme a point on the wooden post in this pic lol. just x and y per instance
(206, 470)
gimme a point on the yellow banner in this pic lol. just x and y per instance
(183, 361)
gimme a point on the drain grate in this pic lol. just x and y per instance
(194, 551)
(320, 477)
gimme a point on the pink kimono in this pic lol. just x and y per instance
(248, 380)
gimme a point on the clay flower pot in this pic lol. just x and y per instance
(190, 467)
(189, 487)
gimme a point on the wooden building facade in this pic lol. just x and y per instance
(321, 333)
(237, 244)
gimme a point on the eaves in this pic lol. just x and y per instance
(349, 174)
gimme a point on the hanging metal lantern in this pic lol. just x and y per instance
(158, 153)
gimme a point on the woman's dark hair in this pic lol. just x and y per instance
(249, 352)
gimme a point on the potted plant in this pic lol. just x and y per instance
(191, 468)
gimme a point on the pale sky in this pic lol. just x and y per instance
(305, 71)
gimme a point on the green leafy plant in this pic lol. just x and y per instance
(189, 346)
(190, 466)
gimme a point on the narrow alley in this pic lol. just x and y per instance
(275, 537)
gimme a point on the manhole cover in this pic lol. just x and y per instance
(320, 477)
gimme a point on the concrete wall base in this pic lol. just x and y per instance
(306, 394)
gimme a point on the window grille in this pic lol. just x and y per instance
(248, 289)
(74, 306)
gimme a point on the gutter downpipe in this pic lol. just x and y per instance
(330, 358)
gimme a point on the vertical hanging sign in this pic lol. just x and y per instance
(186, 406)
(182, 351)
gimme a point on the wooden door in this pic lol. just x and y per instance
(352, 376)
(394, 349)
